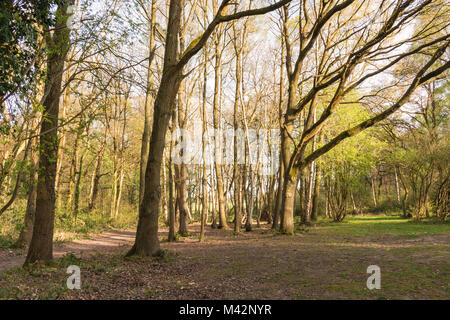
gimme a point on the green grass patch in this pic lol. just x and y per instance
(375, 225)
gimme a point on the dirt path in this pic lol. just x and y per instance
(104, 243)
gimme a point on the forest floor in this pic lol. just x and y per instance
(326, 261)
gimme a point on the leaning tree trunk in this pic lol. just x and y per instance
(374, 195)
(405, 197)
(147, 242)
(397, 188)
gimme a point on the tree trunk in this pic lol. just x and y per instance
(374, 195)
(213, 199)
(147, 107)
(41, 245)
(315, 201)
(279, 199)
(61, 146)
(96, 175)
(217, 141)
(306, 218)
(287, 213)
(237, 182)
(147, 242)
(237, 142)
(77, 188)
(180, 170)
(172, 192)
(163, 203)
(204, 128)
(27, 230)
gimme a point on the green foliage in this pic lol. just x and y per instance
(94, 221)
(357, 155)
(183, 234)
(11, 223)
(67, 226)
(163, 255)
(421, 152)
(346, 167)
(21, 23)
(385, 206)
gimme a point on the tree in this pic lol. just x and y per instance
(147, 242)
(339, 73)
(41, 245)
(148, 96)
